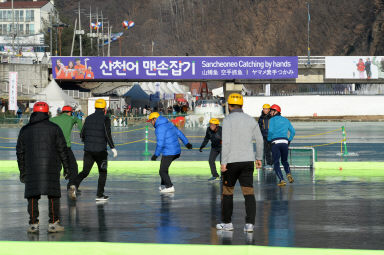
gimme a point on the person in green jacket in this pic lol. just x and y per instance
(66, 122)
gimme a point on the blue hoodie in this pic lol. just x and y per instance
(167, 136)
(279, 127)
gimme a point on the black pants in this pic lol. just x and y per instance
(73, 168)
(280, 151)
(242, 171)
(164, 166)
(212, 161)
(53, 209)
(101, 159)
(267, 159)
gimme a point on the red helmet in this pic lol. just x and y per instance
(67, 108)
(276, 108)
(41, 107)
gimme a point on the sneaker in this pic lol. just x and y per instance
(225, 226)
(282, 183)
(290, 178)
(55, 227)
(168, 190)
(72, 192)
(248, 227)
(33, 228)
(213, 178)
(161, 187)
(102, 198)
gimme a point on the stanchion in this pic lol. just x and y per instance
(146, 152)
(344, 141)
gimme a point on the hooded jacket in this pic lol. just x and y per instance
(279, 127)
(264, 123)
(40, 150)
(96, 132)
(66, 124)
(215, 137)
(167, 137)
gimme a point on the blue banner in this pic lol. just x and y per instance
(174, 68)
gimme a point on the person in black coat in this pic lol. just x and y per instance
(264, 126)
(96, 134)
(214, 135)
(41, 150)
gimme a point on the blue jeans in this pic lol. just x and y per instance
(280, 150)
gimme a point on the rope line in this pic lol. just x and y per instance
(321, 145)
(305, 136)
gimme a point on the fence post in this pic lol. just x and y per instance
(146, 152)
(344, 141)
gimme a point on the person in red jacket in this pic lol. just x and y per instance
(89, 74)
(361, 68)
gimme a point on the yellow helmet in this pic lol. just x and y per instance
(235, 98)
(214, 121)
(266, 106)
(100, 104)
(153, 116)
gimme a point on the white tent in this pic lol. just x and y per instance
(218, 92)
(56, 98)
(165, 89)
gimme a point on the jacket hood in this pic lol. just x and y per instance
(38, 117)
(160, 121)
(265, 115)
(99, 110)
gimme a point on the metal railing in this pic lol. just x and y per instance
(315, 60)
(78, 94)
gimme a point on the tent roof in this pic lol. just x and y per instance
(53, 93)
(136, 92)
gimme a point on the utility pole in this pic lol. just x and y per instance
(81, 46)
(309, 48)
(13, 28)
(50, 34)
(73, 39)
(102, 31)
(97, 24)
(109, 40)
(90, 28)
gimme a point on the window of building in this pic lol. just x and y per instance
(29, 29)
(1, 15)
(9, 15)
(29, 15)
(21, 15)
(20, 29)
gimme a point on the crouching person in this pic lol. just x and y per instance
(41, 150)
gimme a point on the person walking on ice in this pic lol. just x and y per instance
(96, 134)
(41, 150)
(238, 162)
(167, 144)
(66, 122)
(214, 133)
(264, 125)
(278, 136)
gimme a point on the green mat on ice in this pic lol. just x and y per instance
(201, 168)
(77, 248)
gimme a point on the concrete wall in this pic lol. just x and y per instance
(307, 106)
(28, 75)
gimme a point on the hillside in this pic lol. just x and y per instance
(240, 27)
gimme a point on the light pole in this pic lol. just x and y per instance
(309, 48)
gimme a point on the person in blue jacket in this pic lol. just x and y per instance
(278, 136)
(167, 138)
